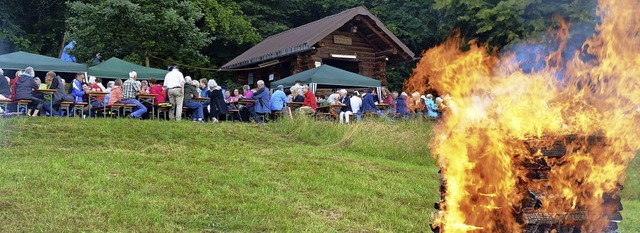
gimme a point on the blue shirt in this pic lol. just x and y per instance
(278, 100)
(432, 110)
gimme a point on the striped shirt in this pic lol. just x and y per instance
(129, 89)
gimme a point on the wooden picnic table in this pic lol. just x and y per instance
(295, 104)
(382, 106)
(48, 92)
(200, 99)
(246, 101)
(149, 99)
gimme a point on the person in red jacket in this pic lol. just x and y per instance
(309, 105)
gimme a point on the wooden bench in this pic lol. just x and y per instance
(4, 105)
(65, 105)
(114, 109)
(23, 104)
(231, 113)
(79, 107)
(127, 108)
(164, 109)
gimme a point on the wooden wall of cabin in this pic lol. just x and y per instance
(345, 42)
(279, 71)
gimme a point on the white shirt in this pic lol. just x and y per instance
(333, 98)
(173, 79)
(356, 103)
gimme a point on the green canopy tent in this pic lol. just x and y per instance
(327, 76)
(116, 68)
(21, 60)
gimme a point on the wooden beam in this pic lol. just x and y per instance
(372, 28)
(373, 45)
(393, 51)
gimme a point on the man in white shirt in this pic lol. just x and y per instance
(356, 103)
(174, 83)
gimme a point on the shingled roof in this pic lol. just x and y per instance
(303, 38)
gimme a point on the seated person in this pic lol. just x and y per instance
(190, 92)
(79, 88)
(157, 89)
(262, 102)
(322, 101)
(244, 109)
(368, 103)
(98, 102)
(346, 109)
(116, 92)
(401, 105)
(5, 88)
(356, 105)
(130, 90)
(278, 100)
(25, 85)
(309, 105)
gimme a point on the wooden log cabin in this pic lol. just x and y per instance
(353, 40)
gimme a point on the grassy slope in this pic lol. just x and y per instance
(75, 175)
(225, 177)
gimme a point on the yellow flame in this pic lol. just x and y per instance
(481, 145)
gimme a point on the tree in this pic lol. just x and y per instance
(500, 23)
(138, 30)
(32, 25)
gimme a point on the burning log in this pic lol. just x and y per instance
(534, 213)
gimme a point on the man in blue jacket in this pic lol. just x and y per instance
(79, 88)
(368, 103)
(262, 102)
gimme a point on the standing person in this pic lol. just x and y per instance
(278, 99)
(25, 85)
(309, 105)
(190, 92)
(217, 103)
(174, 84)
(130, 89)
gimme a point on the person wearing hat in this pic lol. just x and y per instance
(174, 84)
(278, 99)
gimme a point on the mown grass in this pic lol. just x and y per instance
(60, 175)
(122, 175)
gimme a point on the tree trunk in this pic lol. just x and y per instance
(146, 58)
(64, 38)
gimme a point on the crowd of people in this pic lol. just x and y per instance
(180, 91)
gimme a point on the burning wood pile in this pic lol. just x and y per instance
(535, 190)
(514, 156)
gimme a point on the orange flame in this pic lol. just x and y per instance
(503, 110)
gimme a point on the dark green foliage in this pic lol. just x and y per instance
(208, 33)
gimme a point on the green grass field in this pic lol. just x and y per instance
(60, 175)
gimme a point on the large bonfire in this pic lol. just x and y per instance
(502, 109)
